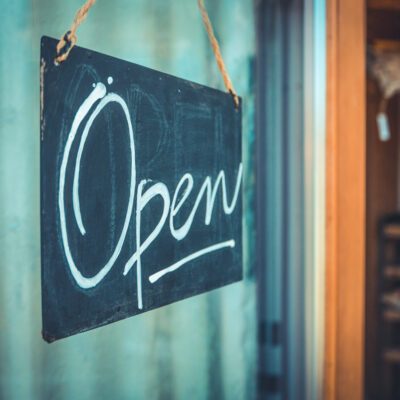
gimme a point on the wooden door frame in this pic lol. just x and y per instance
(345, 201)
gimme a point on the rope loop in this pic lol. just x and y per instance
(68, 41)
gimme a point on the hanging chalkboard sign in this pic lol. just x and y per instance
(141, 190)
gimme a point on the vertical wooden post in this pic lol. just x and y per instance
(345, 236)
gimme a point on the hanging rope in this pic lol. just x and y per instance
(68, 41)
(217, 52)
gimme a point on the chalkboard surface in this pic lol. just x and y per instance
(141, 190)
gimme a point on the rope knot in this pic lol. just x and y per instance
(64, 46)
(235, 97)
(68, 41)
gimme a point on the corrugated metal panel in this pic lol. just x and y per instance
(201, 348)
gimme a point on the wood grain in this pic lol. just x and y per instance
(345, 234)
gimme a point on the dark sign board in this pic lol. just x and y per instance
(141, 190)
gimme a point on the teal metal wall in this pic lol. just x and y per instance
(201, 348)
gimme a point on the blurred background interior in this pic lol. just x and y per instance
(382, 344)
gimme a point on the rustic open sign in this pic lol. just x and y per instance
(141, 190)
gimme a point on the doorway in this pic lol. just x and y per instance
(382, 361)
